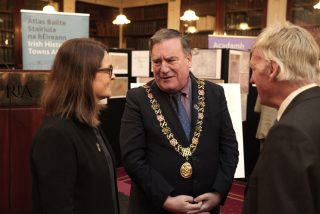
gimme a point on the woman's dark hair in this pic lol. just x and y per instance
(68, 91)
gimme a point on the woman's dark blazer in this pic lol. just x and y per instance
(154, 165)
(69, 173)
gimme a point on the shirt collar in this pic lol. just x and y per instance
(291, 96)
(186, 90)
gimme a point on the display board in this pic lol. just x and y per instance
(206, 63)
(43, 33)
(231, 42)
(140, 63)
(232, 93)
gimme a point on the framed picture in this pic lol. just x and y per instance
(119, 87)
(239, 69)
(119, 62)
(206, 63)
(140, 63)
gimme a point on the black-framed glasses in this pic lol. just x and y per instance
(108, 70)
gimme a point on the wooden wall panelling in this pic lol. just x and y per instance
(18, 127)
(220, 16)
(23, 125)
(4, 162)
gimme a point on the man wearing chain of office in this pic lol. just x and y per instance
(177, 140)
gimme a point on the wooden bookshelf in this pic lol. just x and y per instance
(6, 40)
(100, 26)
(224, 16)
(145, 21)
(206, 10)
(252, 12)
(303, 14)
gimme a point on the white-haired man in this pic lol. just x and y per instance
(286, 178)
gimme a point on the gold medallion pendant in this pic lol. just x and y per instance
(186, 170)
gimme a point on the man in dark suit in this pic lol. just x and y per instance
(286, 178)
(177, 140)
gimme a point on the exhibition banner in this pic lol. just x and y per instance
(43, 33)
(231, 42)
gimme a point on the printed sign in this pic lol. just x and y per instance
(43, 33)
(231, 42)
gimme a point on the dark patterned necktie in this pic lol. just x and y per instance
(182, 114)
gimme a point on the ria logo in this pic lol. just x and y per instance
(18, 91)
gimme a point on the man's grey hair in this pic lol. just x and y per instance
(293, 48)
(165, 34)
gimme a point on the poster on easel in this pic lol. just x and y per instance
(232, 93)
(43, 33)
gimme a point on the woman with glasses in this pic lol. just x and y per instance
(72, 164)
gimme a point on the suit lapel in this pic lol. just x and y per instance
(305, 95)
(169, 114)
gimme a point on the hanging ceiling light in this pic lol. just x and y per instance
(317, 6)
(189, 15)
(121, 19)
(49, 8)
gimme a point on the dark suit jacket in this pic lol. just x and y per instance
(69, 174)
(286, 178)
(154, 165)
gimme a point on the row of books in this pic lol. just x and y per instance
(6, 55)
(5, 21)
(149, 12)
(306, 16)
(103, 28)
(244, 4)
(234, 19)
(144, 28)
(252, 32)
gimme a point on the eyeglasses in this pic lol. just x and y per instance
(108, 70)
